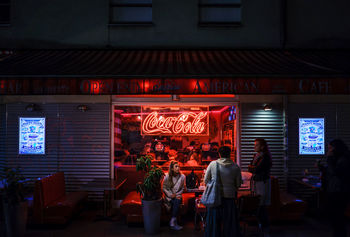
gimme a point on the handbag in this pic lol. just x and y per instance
(212, 195)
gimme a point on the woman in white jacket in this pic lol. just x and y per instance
(173, 187)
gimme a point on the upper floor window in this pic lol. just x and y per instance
(130, 12)
(5, 12)
(220, 12)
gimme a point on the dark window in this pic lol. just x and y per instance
(220, 12)
(130, 12)
(5, 11)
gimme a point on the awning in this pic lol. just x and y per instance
(176, 63)
(175, 72)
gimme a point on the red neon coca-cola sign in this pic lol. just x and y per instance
(181, 124)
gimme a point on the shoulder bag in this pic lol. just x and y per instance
(212, 194)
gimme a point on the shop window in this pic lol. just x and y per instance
(190, 135)
(5, 8)
(130, 12)
(219, 12)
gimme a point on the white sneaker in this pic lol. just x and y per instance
(176, 227)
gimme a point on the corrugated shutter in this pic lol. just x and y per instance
(84, 153)
(77, 143)
(298, 163)
(255, 122)
(2, 138)
(32, 166)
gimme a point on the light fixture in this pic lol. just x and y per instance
(175, 97)
(82, 108)
(32, 107)
(267, 107)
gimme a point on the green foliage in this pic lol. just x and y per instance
(14, 190)
(150, 189)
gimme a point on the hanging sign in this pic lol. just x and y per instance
(31, 136)
(183, 123)
(311, 136)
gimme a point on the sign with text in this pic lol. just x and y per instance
(173, 86)
(311, 136)
(31, 136)
(175, 121)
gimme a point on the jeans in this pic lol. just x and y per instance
(175, 206)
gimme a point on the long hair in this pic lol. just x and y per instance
(340, 148)
(171, 173)
(266, 149)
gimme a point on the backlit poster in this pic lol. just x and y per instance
(31, 136)
(311, 136)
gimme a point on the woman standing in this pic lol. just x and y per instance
(337, 185)
(225, 214)
(260, 168)
(173, 187)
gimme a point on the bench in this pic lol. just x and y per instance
(51, 203)
(285, 206)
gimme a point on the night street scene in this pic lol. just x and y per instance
(215, 118)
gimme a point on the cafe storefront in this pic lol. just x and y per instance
(106, 110)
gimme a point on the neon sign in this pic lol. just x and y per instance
(183, 124)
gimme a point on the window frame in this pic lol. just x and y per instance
(218, 5)
(129, 5)
(6, 23)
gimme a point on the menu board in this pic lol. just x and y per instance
(31, 136)
(311, 136)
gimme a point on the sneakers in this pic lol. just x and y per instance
(173, 224)
(176, 227)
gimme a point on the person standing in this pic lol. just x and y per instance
(225, 214)
(173, 187)
(260, 168)
(337, 184)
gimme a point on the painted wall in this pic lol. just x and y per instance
(84, 24)
(318, 24)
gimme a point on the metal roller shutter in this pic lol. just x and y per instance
(255, 122)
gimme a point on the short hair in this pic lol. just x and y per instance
(225, 151)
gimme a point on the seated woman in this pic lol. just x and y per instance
(193, 160)
(173, 187)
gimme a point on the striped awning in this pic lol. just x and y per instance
(175, 63)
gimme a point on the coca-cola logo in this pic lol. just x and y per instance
(186, 123)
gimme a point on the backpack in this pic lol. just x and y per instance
(192, 180)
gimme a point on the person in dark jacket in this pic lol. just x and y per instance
(260, 168)
(337, 178)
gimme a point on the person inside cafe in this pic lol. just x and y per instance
(193, 161)
(173, 187)
(260, 167)
(172, 157)
(223, 220)
(337, 185)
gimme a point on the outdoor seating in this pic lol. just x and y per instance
(248, 209)
(285, 206)
(51, 203)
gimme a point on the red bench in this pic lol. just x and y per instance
(285, 206)
(51, 203)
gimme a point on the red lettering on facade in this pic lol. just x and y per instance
(186, 123)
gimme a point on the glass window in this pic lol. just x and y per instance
(220, 12)
(131, 12)
(5, 8)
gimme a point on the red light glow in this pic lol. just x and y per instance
(185, 124)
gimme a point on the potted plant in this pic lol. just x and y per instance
(151, 193)
(14, 203)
